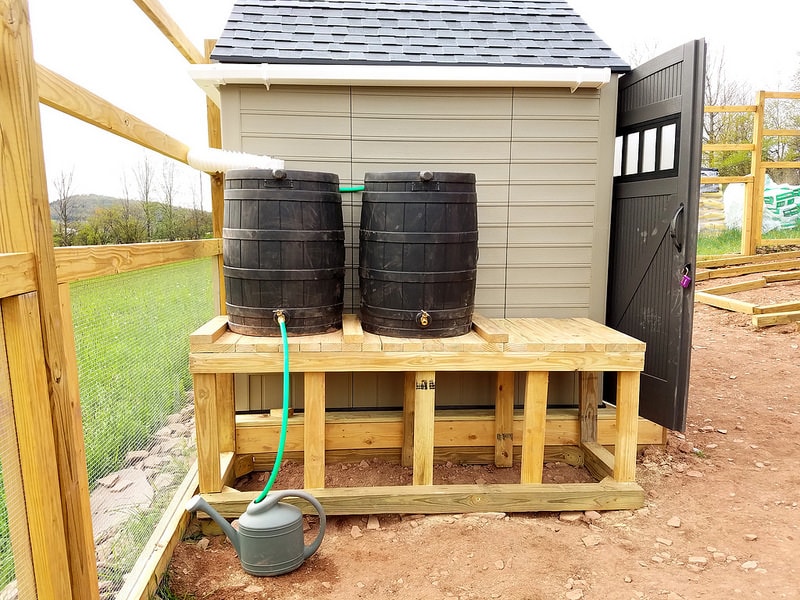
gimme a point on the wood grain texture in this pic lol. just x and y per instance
(424, 411)
(627, 426)
(17, 274)
(437, 499)
(33, 423)
(208, 452)
(69, 98)
(75, 263)
(534, 427)
(504, 419)
(314, 431)
(161, 19)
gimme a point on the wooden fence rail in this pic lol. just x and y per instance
(754, 182)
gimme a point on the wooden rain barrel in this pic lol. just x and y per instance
(418, 253)
(283, 248)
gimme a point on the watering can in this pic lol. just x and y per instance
(270, 537)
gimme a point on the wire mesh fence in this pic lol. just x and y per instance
(14, 554)
(132, 342)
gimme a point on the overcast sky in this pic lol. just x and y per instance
(112, 49)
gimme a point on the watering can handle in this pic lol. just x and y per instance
(313, 546)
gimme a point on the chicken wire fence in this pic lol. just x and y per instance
(132, 344)
(11, 511)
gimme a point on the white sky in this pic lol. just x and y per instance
(112, 49)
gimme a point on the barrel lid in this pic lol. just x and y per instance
(400, 176)
(288, 174)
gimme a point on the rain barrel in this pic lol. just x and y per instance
(418, 253)
(283, 248)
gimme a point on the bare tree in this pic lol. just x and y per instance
(169, 190)
(145, 182)
(128, 227)
(64, 207)
(726, 127)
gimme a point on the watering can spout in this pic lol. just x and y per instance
(198, 503)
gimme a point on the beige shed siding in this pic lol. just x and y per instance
(542, 160)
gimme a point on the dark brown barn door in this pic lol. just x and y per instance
(654, 222)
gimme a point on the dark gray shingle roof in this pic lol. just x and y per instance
(541, 33)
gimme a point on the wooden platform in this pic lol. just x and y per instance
(228, 445)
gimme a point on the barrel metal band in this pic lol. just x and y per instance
(411, 314)
(284, 235)
(284, 274)
(445, 237)
(298, 313)
(407, 277)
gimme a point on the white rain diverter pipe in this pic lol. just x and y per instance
(214, 160)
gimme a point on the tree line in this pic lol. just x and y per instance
(146, 211)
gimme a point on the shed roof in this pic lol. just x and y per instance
(527, 33)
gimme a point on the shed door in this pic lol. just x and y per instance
(654, 222)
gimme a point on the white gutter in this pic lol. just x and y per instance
(211, 76)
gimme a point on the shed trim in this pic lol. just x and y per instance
(211, 76)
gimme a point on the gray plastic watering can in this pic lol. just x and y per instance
(270, 537)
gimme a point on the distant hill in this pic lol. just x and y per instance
(83, 206)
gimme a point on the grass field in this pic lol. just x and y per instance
(729, 241)
(132, 339)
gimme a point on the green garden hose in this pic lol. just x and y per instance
(349, 189)
(285, 417)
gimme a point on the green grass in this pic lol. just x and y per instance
(729, 241)
(132, 339)
(6, 557)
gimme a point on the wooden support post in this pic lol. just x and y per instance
(33, 423)
(533, 432)
(424, 412)
(314, 431)
(504, 419)
(627, 425)
(754, 202)
(226, 412)
(588, 399)
(217, 189)
(207, 430)
(12, 479)
(25, 226)
(409, 392)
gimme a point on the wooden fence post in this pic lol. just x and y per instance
(217, 189)
(756, 168)
(25, 227)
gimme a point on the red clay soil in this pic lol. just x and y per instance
(721, 521)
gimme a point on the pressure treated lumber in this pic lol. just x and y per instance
(161, 19)
(74, 263)
(314, 431)
(25, 226)
(433, 499)
(534, 427)
(504, 419)
(627, 423)
(207, 431)
(33, 424)
(63, 95)
(424, 408)
(17, 274)
(765, 320)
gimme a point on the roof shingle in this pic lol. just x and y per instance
(412, 32)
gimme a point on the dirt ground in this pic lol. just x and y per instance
(721, 520)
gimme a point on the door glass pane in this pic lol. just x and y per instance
(618, 156)
(649, 151)
(668, 147)
(632, 154)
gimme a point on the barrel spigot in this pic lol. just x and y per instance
(280, 316)
(423, 319)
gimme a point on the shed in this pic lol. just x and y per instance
(523, 94)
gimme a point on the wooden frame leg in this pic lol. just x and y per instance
(207, 428)
(407, 452)
(504, 419)
(314, 431)
(627, 426)
(533, 431)
(588, 399)
(424, 413)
